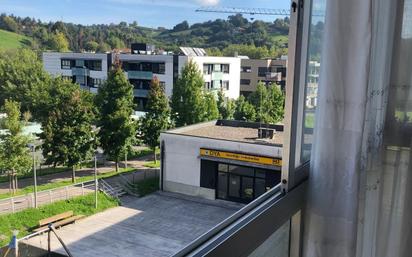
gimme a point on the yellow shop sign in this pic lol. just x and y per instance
(241, 157)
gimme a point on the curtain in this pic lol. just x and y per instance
(360, 185)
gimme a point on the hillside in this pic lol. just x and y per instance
(221, 36)
(10, 40)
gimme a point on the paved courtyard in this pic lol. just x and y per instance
(156, 225)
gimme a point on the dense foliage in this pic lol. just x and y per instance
(23, 79)
(157, 118)
(14, 153)
(268, 39)
(190, 103)
(115, 103)
(68, 136)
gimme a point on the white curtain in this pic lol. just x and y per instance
(360, 186)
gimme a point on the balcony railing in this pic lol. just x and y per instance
(148, 75)
(140, 92)
(79, 71)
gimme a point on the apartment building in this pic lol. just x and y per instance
(312, 84)
(140, 69)
(253, 71)
(144, 63)
(89, 70)
(219, 73)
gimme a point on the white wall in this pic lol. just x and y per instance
(234, 70)
(182, 161)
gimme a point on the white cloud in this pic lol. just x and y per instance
(208, 2)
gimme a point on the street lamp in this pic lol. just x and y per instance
(33, 150)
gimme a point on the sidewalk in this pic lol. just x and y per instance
(65, 175)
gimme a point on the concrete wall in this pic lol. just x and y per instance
(234, 71)
(181, 171)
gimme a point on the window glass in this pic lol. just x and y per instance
(225, 68)
(222, 167)
(240, 170)
(246, 69)
(312, 77)
(277, 245)
(245, 81)
(66, 64)
(225, 85)
(262, 71)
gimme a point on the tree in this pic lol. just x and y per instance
(275, 107)
(58, 42)
(244, 110)
(184, 25)
(91, 46)
(23, 79)
(115, 103)
(225, 106)
(259, 100)
(68, 136)
(14, 153)
(212, 112)
(157, 118)
(8, 23)
(103, 47)
(188, 104)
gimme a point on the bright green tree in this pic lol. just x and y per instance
(259, 100)
(23, 79)
(275, 104)
(14, 154)
(91, 46)
(157, 118)
(225, 106)
(115, 102)
(68, 136)
(188, 101)
(212, 111)
(244, 110)
(58, 42)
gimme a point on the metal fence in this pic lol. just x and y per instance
(19, 203)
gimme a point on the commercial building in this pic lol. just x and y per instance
(253, 71)
(89, 70)
(228, 160)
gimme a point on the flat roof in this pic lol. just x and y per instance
(232, 131)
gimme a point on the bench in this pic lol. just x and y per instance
(58, 220)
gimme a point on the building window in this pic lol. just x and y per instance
(162, 85)
(93, 65)
(67, 78)
(158, 68)
(217, 68)
(225, 85)
(246, 69)
(147, 66)
(207, 69)
(225, 68)
(207, 85)
(216, 84)
(262, 71)
(95, 82)
(66, 64)
(245, 81)
(281, 70)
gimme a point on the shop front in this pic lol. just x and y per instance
(238, 177)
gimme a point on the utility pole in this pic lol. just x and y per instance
(96, 186)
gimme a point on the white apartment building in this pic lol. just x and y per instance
(89, 70)
(219, 73)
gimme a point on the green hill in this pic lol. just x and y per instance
(10, 40)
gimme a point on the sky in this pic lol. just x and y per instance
(149, 13)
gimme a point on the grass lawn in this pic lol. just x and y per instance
(147, 186)
(152, 164)
(29, 189)
(10, 40)
(27, 219)
(140, 153)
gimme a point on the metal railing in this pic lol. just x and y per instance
(19, 203)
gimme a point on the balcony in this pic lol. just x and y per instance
(80, 71)
(148, 75)
(217, 75)
(140, 92)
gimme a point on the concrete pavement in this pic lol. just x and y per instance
(156, 225)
